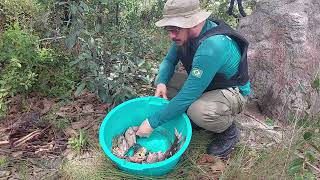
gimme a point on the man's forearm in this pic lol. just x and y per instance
(167, 66)
(165, 72)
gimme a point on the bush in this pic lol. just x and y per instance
(26, 67)
(19, 54)
(113, 59)
(115, 67)
(56, 78)
(26, 12)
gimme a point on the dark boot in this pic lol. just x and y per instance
(223, 143)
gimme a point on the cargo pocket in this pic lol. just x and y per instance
(235, 99)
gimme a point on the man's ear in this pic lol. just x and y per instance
(191, 32)
(195, 31)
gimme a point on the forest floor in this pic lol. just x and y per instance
(34, 142)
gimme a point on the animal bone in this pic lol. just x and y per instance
(130, 136)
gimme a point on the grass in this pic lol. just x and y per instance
(4, 161)
(272, 162)
(187, 166)
(78, 143)
(278, 161)
(252, 164)
(22, 170)
(104, 169)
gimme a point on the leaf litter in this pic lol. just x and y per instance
(29, 131)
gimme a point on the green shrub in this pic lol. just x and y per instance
(115, 67)
(26, 12)
(26, 67)
(56, 78)
(19, 55)
(112, 66)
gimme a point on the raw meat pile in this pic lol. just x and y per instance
(122, 143)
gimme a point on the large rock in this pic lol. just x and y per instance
(284, 56)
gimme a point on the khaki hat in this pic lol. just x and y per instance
(183, 14)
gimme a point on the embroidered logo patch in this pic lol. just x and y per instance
(197, 72)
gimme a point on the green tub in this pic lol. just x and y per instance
(132, 113)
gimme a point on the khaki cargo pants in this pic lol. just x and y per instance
(215, 110)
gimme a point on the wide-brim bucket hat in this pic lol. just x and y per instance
(183, 14)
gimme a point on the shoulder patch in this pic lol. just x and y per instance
(196, 72)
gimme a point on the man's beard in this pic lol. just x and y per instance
(185, 47)
(184, 44)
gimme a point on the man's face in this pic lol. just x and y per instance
(179, 35)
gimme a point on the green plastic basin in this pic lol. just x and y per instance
(132, 113)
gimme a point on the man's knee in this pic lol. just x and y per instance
(208, 117)
(216, 109)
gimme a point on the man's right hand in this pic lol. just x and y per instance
(161, 91)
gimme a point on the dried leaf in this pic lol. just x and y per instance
(4, 143)
(218, 166)
(23, 122)
(88, 108)
(66, 108)
(5, 174)
(63, 111)
(206, 158)
(15, 109)
(46, 106)
(70, 132)
(80, 124)
(102, 108)
(78, 108)
(17, 154)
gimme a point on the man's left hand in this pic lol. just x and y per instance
(145, 129)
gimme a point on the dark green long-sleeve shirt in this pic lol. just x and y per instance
(216, 54)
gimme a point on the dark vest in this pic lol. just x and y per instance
(186, 54)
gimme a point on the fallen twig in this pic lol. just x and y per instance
(52, 38)
(4, 143)
(256, 119)
(29, 137)
(271, 133)
(26, 138)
